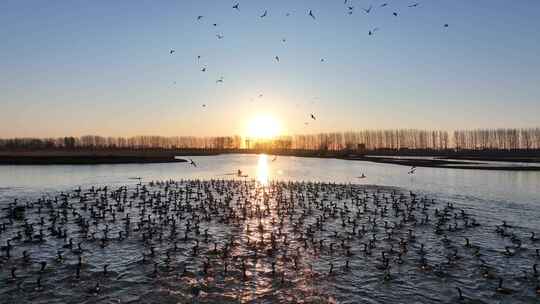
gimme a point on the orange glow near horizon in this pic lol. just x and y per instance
(263, 127)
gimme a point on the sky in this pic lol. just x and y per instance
(71, 68)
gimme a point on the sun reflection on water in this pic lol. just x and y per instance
(263, 173)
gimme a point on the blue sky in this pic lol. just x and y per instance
(103, 67)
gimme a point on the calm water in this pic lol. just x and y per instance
(515, 193)
(487, 196)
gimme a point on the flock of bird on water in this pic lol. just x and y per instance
(191, 230)
(350, 10)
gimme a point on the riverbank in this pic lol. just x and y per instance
(444, 163)
(423, 159)
(85, 158)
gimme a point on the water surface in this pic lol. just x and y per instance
(487, 196)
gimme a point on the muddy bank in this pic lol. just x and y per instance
(84, 159)
(442, 163)
(90, 157)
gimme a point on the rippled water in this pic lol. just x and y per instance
(487, 196)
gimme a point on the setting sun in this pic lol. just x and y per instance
(263, 127)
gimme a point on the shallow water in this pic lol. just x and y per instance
(488, 196)
(513, 192)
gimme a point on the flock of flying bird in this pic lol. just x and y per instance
(311, 14)
(207, 235)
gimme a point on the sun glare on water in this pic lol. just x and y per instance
(263, 127)
(263, 172)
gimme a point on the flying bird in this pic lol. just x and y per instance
(372, 32)
(172, 51)
(446, 25)
(203, 69)
(265, 13)
(215, 24)
(277, 58)
(191, 162)
(204, 106)
(275, 158)
(384, 4)
(219, 36)
(313, 117)
(368, 10)
(260, 95)
(283, 40)
(236, 6)
(412, 170)
(395, 14)
(311, 14)
(414, 4)
(199, 17)
(198, 57)
(220, 80)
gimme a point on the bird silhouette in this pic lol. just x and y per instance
(219, 36)
(372, 32)
(220, 80)
(171, 51)
(384, 4)
(276, 58)
(199, 17)
(412, 170)
(236, 6)
(446, 25)
(311, 14)
(414, 4)
(265, 14)
(313, 117)
(395, 14)
(368, 10)
(203, 69)
(191, 162)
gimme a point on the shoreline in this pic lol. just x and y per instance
(96, 157)
(88, 159)
(443, 164)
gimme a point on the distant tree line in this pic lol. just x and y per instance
(498, 139)
(398, 139)
(373, 140)
(135, 142)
